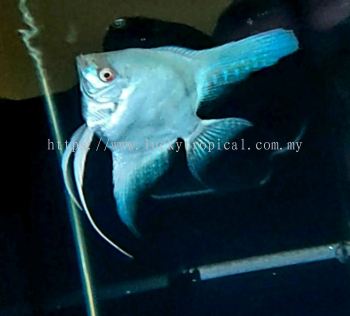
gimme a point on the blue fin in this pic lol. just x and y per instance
(80, 160)
(186, 52)
(133, 174)
(202, 145)
(82, 138)
(65, 163)
(235, 61)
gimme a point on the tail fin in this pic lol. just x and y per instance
(235, 61)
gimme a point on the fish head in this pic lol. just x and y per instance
(102, 83)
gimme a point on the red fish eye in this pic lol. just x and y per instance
(106, 74)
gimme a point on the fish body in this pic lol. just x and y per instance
(157, 99)
(151, 96)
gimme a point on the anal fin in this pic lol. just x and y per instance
(133, 175)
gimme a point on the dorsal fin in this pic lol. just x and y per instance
(186, 52)
(233, 62)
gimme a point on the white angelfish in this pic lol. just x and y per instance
(151, 96)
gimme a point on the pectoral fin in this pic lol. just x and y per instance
(81, 141)
(202, 145)
(133, 175)
(79, 162)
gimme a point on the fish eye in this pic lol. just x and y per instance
(106, 74)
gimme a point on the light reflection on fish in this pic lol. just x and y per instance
(152, 96)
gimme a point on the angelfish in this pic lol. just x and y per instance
(145, 96)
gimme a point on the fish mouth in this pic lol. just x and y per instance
(84, 87)
(83, 66)
(81, 63)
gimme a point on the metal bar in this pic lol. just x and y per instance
(338, 251)
(182, 194)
